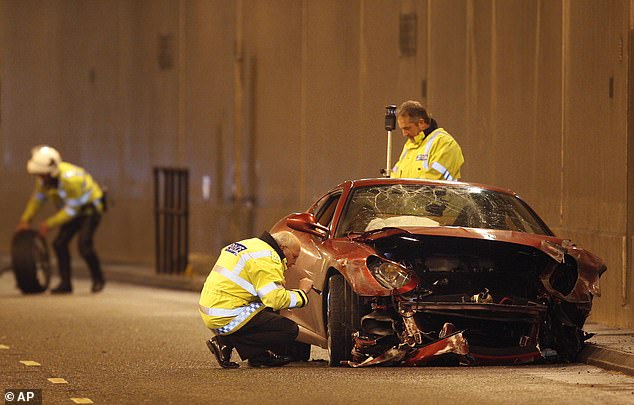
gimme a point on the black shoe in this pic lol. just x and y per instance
(269, 359)
(222, 353)
(98, 286)
(62, 289)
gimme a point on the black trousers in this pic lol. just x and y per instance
(85, 225)
(267, 330)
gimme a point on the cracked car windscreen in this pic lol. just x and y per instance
(395, 205)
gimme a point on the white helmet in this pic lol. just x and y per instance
(44, 160)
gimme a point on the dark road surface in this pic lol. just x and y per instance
(134, 345)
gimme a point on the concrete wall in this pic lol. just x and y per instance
(279, 100)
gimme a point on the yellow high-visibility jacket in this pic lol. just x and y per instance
(436, 156)
(76, 193)
(247, 277)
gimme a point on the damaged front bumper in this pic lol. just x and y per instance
(404, 354)
(422, 332)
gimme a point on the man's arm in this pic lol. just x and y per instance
(446, 158)
(268, 280)
(32, 207)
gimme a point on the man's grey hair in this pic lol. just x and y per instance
(286, 239)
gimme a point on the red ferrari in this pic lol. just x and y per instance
(415, 272)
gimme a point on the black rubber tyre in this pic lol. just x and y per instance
(343, 319)
(30, 261)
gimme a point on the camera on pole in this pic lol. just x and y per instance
(390, 125)
(390, 117)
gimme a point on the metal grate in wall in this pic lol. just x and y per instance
(171, 218)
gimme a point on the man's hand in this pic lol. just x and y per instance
(305, 284)
(22, 226)
(43, 229)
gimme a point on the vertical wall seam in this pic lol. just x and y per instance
(564, 38)
(471, 73)
(302, 115)
(629, 131)
(182, 58)
(494, 98)
(536, 82)
(363, 75)
(237, 103)
(428, 68)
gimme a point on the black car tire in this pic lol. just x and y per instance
(343, 319)
(30, 261)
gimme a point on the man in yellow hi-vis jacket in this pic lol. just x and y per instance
(80, 202)
(241, 297)
(430, 152)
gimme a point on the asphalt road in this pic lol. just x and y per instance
(135, 345)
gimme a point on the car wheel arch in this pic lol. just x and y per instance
(331, 272)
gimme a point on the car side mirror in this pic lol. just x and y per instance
(306, 222)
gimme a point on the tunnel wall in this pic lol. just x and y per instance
(277, 101)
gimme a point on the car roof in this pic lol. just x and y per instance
(387, 181)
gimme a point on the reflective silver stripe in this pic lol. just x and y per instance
(395, 169)
(248, 256)
(427, 148)
(40, 196)
(244, 314)
(268, 288)
(70, 211)
(236, 279)
(76, 202)
(293, 303)
(61, 193)
(220, 311)
(84, 199)
(442, 170)
(74, 172)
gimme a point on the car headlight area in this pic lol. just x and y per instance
(389, 274)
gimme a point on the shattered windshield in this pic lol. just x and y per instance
(394, 205)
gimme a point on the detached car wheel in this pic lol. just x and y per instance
(30, 261)
(343, 319)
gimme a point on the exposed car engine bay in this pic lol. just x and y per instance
(469, 301)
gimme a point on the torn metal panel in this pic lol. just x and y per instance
(455, 343)
(418, 355)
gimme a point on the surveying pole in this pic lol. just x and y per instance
(390, 125)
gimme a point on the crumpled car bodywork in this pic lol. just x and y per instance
(418, 272)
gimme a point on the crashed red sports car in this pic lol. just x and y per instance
(416, 272)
